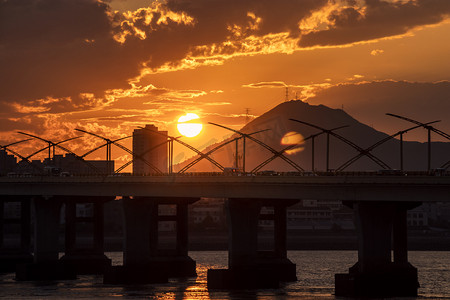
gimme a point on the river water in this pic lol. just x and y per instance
(315, 272)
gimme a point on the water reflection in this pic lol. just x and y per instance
(315, 272)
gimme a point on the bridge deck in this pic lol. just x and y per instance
(343, 187)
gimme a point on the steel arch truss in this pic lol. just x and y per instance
(429, 128)
(23, 158)
(274, 152)
(57, 145)
(50, 145)
(424, 125)
(201, 154)
(206, 155)
(312, 137)
(110, 142)
(362, 151)
(379, 143)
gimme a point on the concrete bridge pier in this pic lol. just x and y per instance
(381, 228)
(248, 267)
(88, 258)
(144, 261)
(15, 249)
(46, 265)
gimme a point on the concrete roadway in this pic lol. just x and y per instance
(339, 187)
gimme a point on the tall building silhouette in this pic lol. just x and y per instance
(150, 144)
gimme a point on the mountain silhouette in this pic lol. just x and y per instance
(277, 127)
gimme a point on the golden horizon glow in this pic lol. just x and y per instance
(188, 125)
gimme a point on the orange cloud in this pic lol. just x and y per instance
(356, 21)
(217, 103)
(142, 22)
(24, 109)
(272, 84)
(110, 49)
(376, 52)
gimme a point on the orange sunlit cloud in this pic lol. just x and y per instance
(376, 52)
(28, 109)
(273, 84)
(184, 34)
(217, 103)
(143, 21)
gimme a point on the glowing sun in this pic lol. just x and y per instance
(189, 125)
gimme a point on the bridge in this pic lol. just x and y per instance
(379, 200)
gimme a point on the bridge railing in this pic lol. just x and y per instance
(436, 172)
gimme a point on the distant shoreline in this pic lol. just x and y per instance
(218, 241)
(331, 243)
(211, 242)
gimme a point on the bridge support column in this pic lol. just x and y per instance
(12, 254)
(285, 268)
(381, 227)
(85, 259)
(144, 261)
(248, 267)
(176, 261)
(46, 265)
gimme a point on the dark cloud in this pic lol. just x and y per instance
(57, 48)
(378, 19)
(64, 48)
(370, 101)
(277, 16)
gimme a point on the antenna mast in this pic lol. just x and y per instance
(247, 116)
(287, 94)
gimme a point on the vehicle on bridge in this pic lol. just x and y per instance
(232, 171)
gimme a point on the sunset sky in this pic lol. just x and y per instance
(111, 66)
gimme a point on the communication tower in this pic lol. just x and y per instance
(247, 115)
